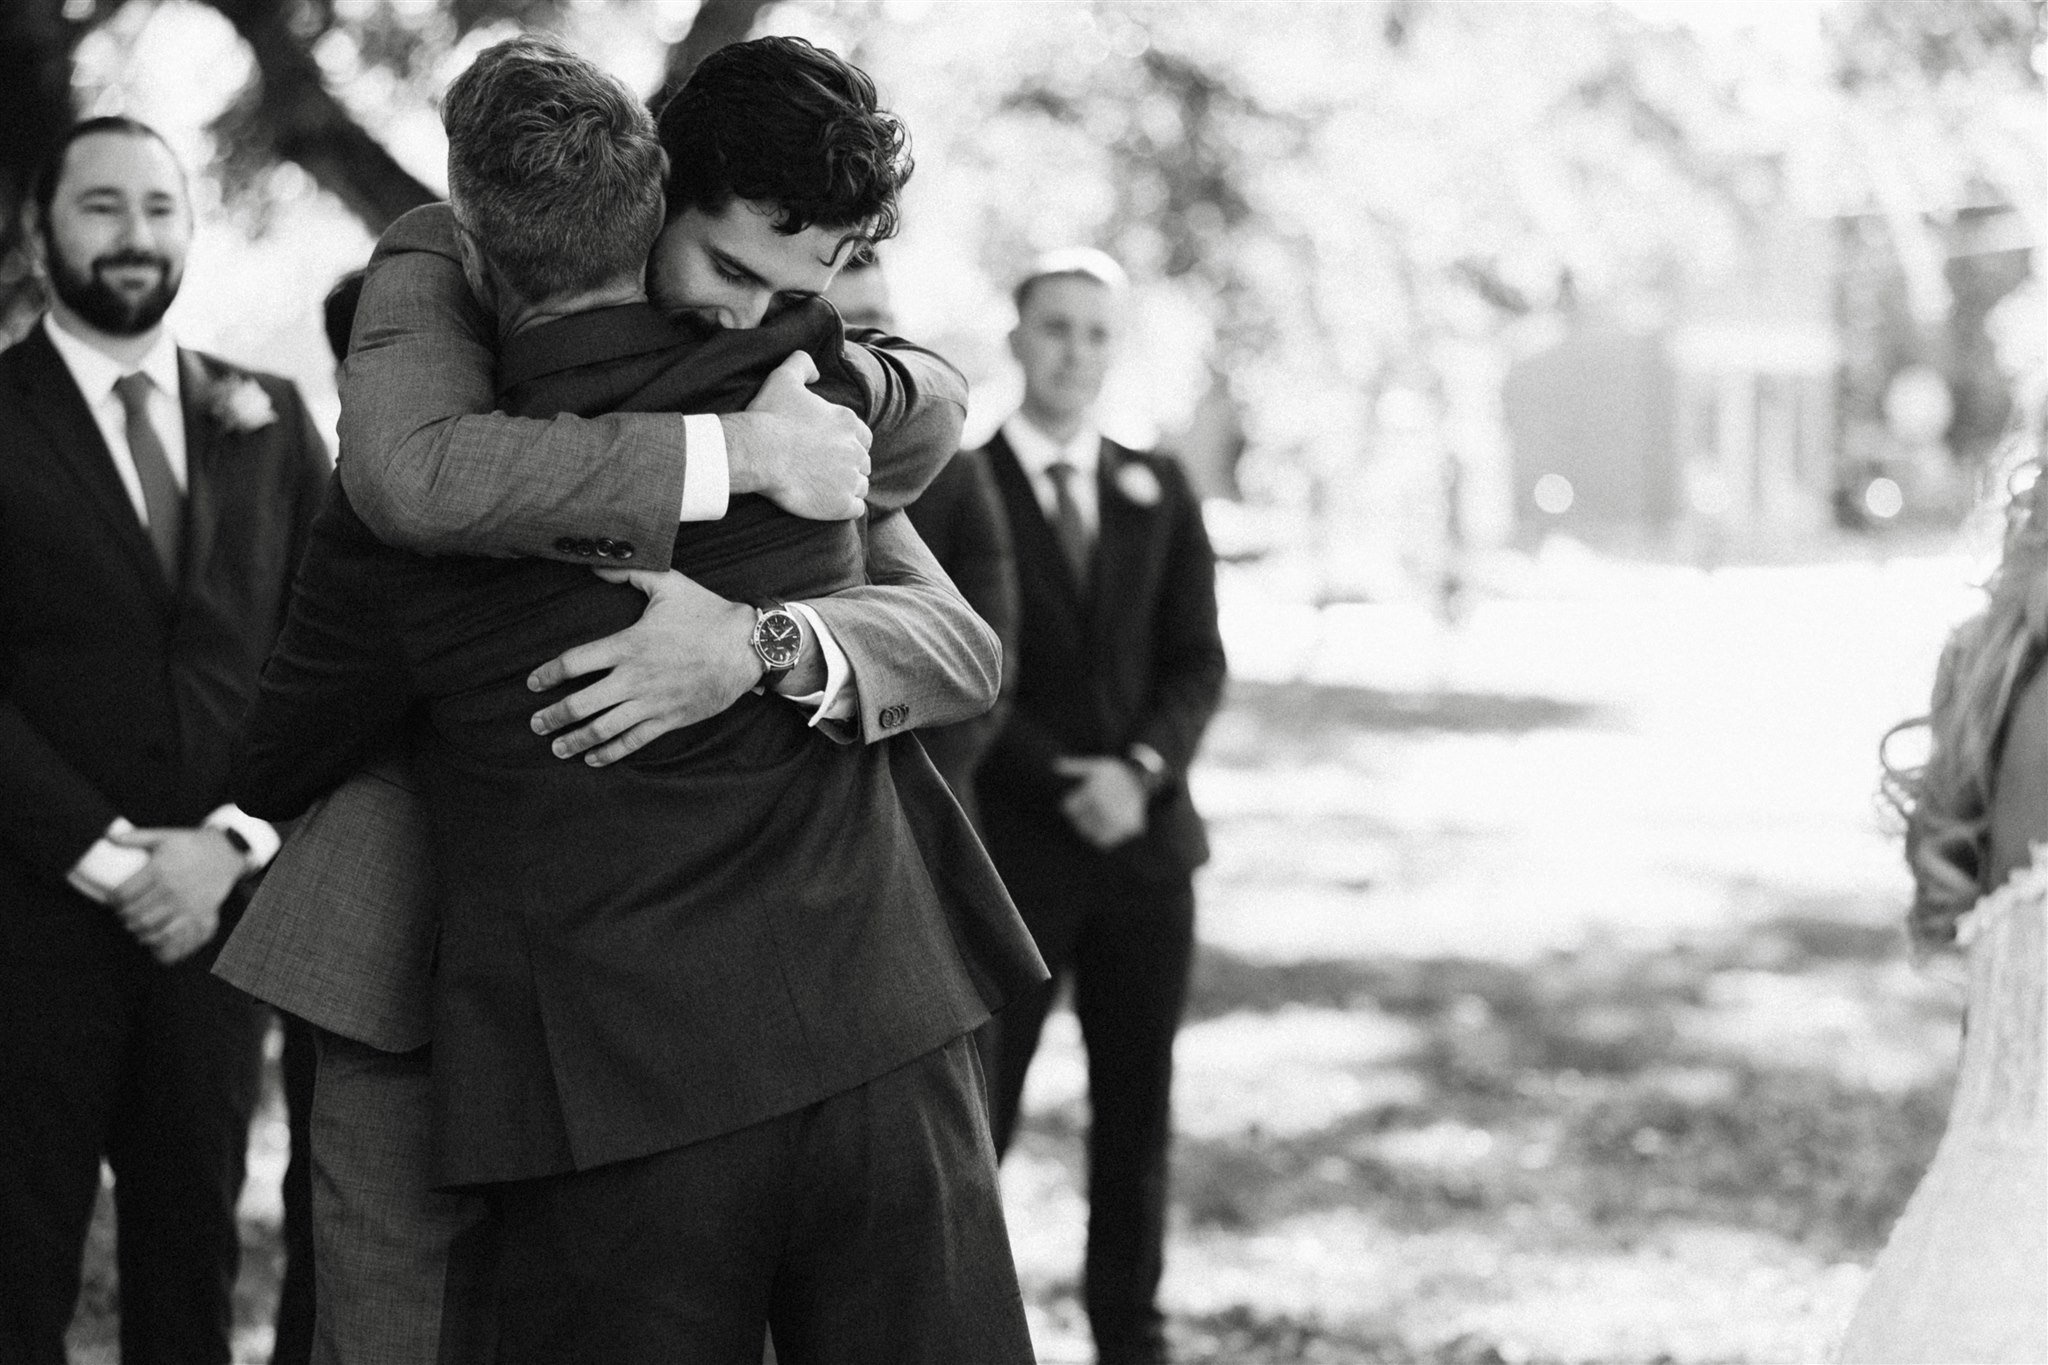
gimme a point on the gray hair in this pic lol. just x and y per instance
(553, 168)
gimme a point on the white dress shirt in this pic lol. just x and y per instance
(95, 372)
(1038, 452)
(107, 864)
(707, 473)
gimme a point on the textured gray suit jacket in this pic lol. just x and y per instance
(341, 932)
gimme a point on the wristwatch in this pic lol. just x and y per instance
(1151, 768)
(778, 641)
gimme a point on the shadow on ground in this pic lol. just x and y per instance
(1301, 711)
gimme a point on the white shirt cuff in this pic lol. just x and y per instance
(257, 834)
(106, 865)
(707, 476)
(836, 701)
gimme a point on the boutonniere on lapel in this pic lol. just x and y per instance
(1138, 484)
(238, 403)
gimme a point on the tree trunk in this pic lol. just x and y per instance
(717, 23)
(35, 109)
(298, 118)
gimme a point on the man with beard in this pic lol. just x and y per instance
(153, 501)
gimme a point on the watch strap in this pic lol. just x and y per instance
(1151, 767)
(771, 671)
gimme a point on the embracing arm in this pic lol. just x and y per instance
(916, 404)
(432, 469)
(429, 469)
(919, 654)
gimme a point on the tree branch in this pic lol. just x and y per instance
(717, 23)
(298, 118)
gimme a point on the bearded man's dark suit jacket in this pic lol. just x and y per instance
(751, 918)
(1133, 656)
(120, 693)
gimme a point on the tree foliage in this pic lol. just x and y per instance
(291, 110)
(1340, 201)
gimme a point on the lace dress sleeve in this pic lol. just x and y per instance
(2000, 1085)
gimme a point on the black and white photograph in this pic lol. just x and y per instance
(1023, 682)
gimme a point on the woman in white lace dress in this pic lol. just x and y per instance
(1964, 1277)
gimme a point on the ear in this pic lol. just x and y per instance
(476, 268)
(32, 238)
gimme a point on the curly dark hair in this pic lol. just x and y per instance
(778, 121)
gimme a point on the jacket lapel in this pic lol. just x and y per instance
(203, 453)
(1037, 547)
(50, 396)
(1127, 543)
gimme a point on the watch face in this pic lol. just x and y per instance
(777, 639)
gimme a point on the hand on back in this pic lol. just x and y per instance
(804, 454)
(686, 659)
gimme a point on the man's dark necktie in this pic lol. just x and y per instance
(160, 495)
(1066, 520)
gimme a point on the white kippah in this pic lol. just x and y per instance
(1078, 260)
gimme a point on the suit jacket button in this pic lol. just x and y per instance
(893, 716)
(586, 548)
(566, 544)
(607, 547)
(622, 549)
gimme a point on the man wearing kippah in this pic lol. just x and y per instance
(1084, 795)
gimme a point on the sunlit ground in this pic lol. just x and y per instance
(1551, 1004)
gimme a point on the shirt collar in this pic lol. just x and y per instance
(1036, 451)
(94, 371)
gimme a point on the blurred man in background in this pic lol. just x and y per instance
(960, 516)
(153, 501)
(1084, 794)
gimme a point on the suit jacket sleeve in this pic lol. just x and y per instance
(49, 814)
(916, 404)
(431, 469)
(335, 690)
(1189, 665)
(912, 640)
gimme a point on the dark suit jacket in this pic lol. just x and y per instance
(120, 691)
(733, 922)
(1135, 658)
(961, 518)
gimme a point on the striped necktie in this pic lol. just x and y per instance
(161, 499)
